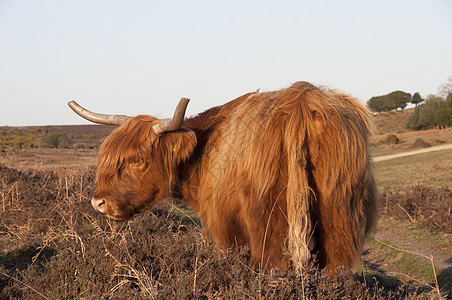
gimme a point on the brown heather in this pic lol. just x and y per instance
(54, 246)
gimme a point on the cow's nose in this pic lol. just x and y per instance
(98, 204)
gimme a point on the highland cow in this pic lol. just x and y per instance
(287, 173)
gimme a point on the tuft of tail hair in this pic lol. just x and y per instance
(299, 193)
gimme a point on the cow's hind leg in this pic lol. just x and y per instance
(338, 241)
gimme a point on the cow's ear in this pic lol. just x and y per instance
(179, 144)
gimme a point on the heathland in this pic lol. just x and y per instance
(54, 245)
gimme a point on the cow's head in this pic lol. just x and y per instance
(137, 161)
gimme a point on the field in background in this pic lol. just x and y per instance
(432, 169)
(55, 246)
(390, 143)
(65, 160)
(38, 137)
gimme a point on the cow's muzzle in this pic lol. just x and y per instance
(98, 204)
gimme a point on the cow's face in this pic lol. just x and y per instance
(136, 167)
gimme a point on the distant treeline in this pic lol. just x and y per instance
(41, 137)
(433, 112)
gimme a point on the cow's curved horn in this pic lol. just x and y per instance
(176, 122)
(98, 118)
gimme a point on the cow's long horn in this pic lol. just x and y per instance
(176, 122)
(98, 118)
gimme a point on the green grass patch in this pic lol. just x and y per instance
(441, 241)
(186, 213)
(410, 265)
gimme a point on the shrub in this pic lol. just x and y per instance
(391, 139)
(420, 143)
(434, 113)
(430, 208)
(58, 140)
(438, 141)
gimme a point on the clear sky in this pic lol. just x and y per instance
(140, 57)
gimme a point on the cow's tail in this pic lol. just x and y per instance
(299, 194)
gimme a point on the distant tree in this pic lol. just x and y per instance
(449, 98)
(445, 115)
(376, 104)
(58, 140)
(391, 101)
(65, 141)
(434, 113)
(445, 88)
(416, 99)
(399, 99)
(52, 140)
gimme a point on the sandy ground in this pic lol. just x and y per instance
(408, 153)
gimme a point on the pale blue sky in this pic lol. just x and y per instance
(141, 57)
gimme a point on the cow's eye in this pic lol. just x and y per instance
(139, 163)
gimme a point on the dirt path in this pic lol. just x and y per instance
(441, 259)
(378, 261)
(408, 153)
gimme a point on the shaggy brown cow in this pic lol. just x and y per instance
(286, 172)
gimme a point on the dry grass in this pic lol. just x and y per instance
(432, 137)
(393, 121)
(65, 160)
(431, 169)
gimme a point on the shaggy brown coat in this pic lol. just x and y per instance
(286, 172)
